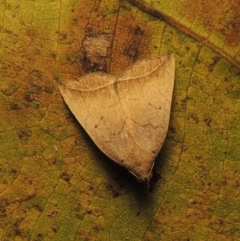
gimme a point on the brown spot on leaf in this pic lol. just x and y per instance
(13, 171)
(182, 103)
(193, 116)
(138, 31)
(198, 157)
(38, 207)
(17, 231)
(172, 129)
(54, 229)
(24, 134)
(52, 213)
(66, 176)
(35, 81)
(29, 97)
(91, 188)
(16, 105)
(215, 60)
(208, 121)
(62, 37)
(49, 88)
(3, 211)
(115, 192)
(132, 49)
(96, 52)
(89, 211)
(97, 227)
(39, 235)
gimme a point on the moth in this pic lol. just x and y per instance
(127, 116)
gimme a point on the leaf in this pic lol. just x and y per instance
(55, 184)
(126, 116)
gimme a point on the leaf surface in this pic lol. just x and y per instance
(54, 182)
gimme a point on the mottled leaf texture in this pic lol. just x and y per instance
(126, 116)
(54, 182)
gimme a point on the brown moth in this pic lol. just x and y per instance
(126, 116)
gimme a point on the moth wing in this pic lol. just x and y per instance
(94, 102)
(145, 93)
